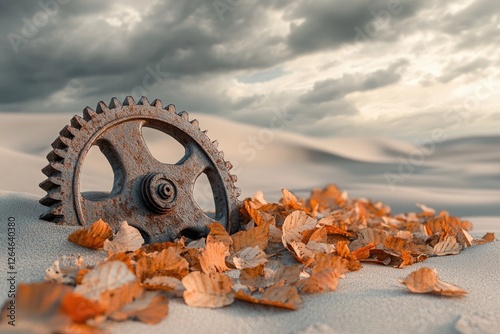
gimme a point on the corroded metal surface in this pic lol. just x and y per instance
(155, 197)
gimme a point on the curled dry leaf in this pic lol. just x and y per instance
(168, 262)
(425, 280)
(295, 225)
(255, 236)
(328, 199)
(38, 305)
(272, 273)
(64, 270)
(321, 281)
(278, 294)
(151, 308)
(112, 285)
(249, 257)
(290, 201)
(79, 308)
(212, 291)
(219, 234)
(448, 246)
(94, 237)
(128, 239)
(213, 258)
(426, 211)
(164, 283)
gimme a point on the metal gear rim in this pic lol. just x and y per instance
(76, 139)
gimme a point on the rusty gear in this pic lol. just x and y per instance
(155, 197)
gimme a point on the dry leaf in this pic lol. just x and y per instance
(219, 234)
(94, 237)
(65, 269)
(212, 291)
(79, 308)
(425, 280)
(279, 295)
(249, 257)
(150, 309)
(449, 246)
(328, 199)
(272, 273)
(164, 283)
(295, 224)
(111, 284)
(128, 239)
(290, 201)
(319, 282)
(37, 308)
(213, 258)
(426, 211)
(256, 236)
(166, 263)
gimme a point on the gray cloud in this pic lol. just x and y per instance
(333, 89)
(329, 24)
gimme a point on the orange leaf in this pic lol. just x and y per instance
(256, 236)
(212, 291)
(94, 237)
(425, 280)
(79, 308)
(166, 263)
(150, 309)
(213, 258)
(279, 295)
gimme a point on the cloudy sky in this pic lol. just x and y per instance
(399, 68)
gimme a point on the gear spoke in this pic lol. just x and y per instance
(190, 167)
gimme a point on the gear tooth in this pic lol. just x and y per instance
(101, 107)
(216, 143)
(195, 123)
(52, 169)
(78, 122)
(221, 154)
(237, 191)
(157, 103)
(69, 132)
(89, 113)
(229, 165)
(49, 184)
(56, 155)
(184, 115)
(144, 101)
(61, 142)
(170, 108)
(52, 197)
(48, 216)
(114, 103)
(129, 101)
(204, 132)
(234, 178)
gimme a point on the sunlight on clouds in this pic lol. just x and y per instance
(127, 17)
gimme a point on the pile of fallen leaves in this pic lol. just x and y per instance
(286, 249)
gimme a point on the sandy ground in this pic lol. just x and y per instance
(460, 176)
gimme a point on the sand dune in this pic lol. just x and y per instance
(461, 175)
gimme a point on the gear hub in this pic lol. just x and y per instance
(155, 197)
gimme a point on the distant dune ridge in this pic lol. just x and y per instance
(461, 175)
